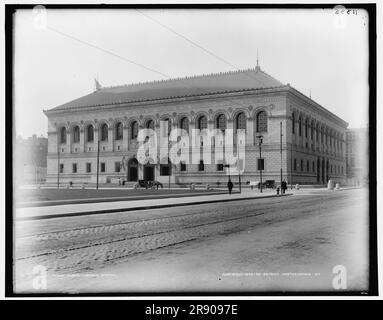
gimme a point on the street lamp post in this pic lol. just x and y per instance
(239, 172)
(281, 151)
(169, 165)
(58, 165)
(260, 163)
(98, 160)
(291, 167)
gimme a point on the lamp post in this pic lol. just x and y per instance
(98, 160)
(260, 162)
(169, 165)
(239, 172)
(58, 164)
(291, 167)
(281, 151)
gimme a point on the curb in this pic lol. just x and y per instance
(104, 211)
(47, 203)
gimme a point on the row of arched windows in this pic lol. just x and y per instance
(90, 133)
(201, 123)
(325, 137)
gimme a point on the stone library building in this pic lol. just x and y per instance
(95, 136)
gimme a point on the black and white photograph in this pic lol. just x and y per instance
(192, 150)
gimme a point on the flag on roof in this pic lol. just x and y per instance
(97, 85)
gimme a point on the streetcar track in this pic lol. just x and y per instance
(130, 222)
(137, 237)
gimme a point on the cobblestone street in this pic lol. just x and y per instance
(199, 247)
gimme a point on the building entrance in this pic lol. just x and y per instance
(133, 170)
(148, 172)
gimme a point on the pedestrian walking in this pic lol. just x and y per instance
(284, 186)
(230, 186)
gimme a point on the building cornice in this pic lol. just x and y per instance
(188, 98)
(311, 102)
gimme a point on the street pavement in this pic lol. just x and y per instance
(250, 245)
(97, 207)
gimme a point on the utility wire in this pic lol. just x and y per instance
(188, 40)
(108, 52)
(132, 62)
(198, 45)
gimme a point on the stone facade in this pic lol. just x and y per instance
(312, 152)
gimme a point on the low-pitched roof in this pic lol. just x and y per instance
(180, 87)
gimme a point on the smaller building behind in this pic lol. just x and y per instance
(357, 159)
(30, 160)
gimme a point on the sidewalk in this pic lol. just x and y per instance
(47, 212)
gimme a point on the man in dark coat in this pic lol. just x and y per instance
(230, 186)
(284, 186)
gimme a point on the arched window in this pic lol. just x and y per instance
(134, 130)
(119, 131)
(312, 130)
(293, 122)
(321, 135)
(63, 135)
(89, 133)
(240, 121)
(202, 123)
(76, 134)
(300, 126)
(318, 132)
(221, 122)
(150, 124)
(185, 124)
(307, 128)
(104, 132)
(261, 121)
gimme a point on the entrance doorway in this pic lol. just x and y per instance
(148, 172)
(133, 170)
(323, 172)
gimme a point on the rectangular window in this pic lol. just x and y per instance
(164, 170)
(74, 167)
(260, 164)
(220, 167)
(61, 168)
(201, 166)
(308, 166)
(117, 166)
(102, 166)
(295, 164)
(301, 165)
(88, 167)
(183, 166)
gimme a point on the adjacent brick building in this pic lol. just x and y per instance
(312, 149)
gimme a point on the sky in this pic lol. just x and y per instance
(313, 50)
